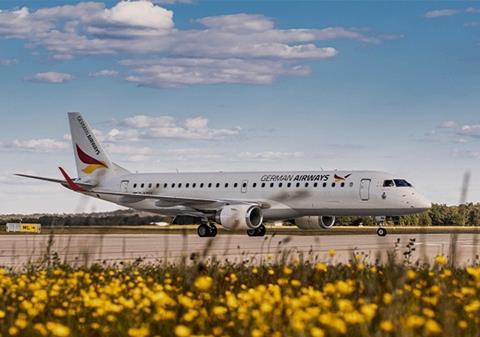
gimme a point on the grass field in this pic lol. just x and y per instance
(278, 230)
(277, 298)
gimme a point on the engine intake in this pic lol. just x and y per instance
(315, 222)
(240, 217)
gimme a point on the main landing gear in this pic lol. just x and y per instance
(381, 231)
(207, 230)
(259, 231)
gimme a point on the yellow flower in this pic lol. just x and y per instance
(219, 310)
(287, 270)
(441, 260)
(321, 266)
(40, 328)
(295, 283)
(411, 274)
(139, 332)
(182, 331)
(386, 325)
(432, 327)
(2, 314)
(387, 298)
(316, 332)
(462, 324)
(332, 252)
(415, 321)
(203, 283)
(12, 331)
(58, 330)
(369, 310)
(257, 333)
(428, 312)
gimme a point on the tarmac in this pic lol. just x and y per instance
(18, 250)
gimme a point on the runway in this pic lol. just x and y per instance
(16, 250)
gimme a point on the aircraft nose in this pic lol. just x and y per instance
(422, 203)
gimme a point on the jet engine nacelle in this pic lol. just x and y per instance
(240, 217)
(315, 222)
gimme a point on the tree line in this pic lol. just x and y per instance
(438, 215)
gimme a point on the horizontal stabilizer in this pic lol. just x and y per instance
(52, 180)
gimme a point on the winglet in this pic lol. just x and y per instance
(71, 183)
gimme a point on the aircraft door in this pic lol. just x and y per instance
(244, 186)
(365, 189)
(124, 186)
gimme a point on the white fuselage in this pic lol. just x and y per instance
(288, 195)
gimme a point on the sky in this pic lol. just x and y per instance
(240, 85)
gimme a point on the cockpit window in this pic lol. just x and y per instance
(402, 183)
(388, 183)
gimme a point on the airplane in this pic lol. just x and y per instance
(238, 200)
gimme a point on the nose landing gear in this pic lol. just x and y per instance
(381, 231)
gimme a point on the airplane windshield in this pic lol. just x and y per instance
(402, 183)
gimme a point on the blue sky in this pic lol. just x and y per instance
(199, 86)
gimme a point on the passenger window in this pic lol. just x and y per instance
(226, 185)
(201, 185)
(333, 184)
(351, 184)
(194, 185)
(289, 185)
(388, 183)
(142, 186)
(150, 185)
(244, 185)
(134, 185)
(180, 185)
(217, 185)
(306, 184)
(324, 185)
(342, 185)
(280, 185)
(315, 185)
(298, 184)
(165, 185)
(271, 184)
(236, 185)
(209, 185)
(254, 185)
(188, 185)
(263, 184)
(173, 185)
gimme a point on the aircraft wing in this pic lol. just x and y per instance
(52, 180)
(178, 200)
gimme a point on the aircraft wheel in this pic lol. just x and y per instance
(212, 230)
(203, 230)
(381, 231)
(259, 231)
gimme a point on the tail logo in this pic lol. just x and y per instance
(339, 179)
(92, 163)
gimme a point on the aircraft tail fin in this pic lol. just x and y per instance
(93, 163)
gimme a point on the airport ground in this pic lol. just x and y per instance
(105, 244)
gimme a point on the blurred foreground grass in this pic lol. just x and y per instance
(282, 297)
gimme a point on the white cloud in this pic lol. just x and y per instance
(181, 57)
(104, 73)
(270, 155)
(142, 121)
(37, 145)
(472, 130)
(50, 77)
(8, 62)
(440, 12)
(472, 10)
(448, 125)
(170, 72)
